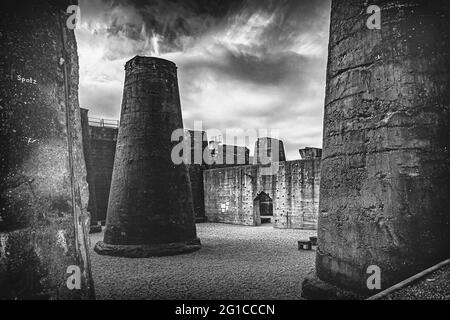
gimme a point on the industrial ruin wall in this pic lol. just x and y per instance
(103, 149)
(228, 193)
(231, 194)
(100, 148)
(43, 192)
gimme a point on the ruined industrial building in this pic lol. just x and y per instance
(236, 193)
(93, 207)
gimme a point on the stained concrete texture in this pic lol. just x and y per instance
(235, 262)
(268, 150)
(384, 194)
(231, 194)
(44, 194)
(150, 202)
(90, 178)
(310, 153)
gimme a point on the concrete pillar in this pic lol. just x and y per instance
(310, 153)
(384, 197)
(199, 143)
(150, 210)
(43, 219)
(90, 176)
(268, 150)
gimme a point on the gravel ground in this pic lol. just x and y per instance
(235, 262)
(435, 286)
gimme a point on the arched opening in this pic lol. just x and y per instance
(263, 207)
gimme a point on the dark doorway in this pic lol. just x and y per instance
(264, 207)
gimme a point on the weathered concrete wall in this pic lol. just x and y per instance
(296, 202)
(310, 153)
(103, 142)
(230, 194)
(90, 177)
(44, 194)
(385, 166)
(223, 156)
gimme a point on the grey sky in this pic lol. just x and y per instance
(242, 64)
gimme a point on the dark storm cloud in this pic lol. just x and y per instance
(175, 21)
(267, 69)
(242, 63)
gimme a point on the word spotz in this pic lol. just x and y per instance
(26, 80)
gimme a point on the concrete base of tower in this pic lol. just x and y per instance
(146, 251)
(314, 288)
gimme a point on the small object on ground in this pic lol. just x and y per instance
(95, 228)
(304, 245)
(313, 240)
(219, 272)
(265, 220)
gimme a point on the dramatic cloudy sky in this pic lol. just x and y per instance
(242, 64)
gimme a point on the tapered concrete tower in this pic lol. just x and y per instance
(384, 195)
(150, 209)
